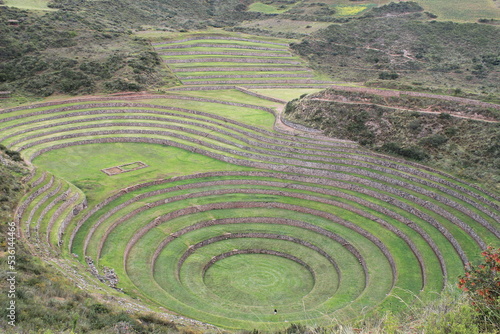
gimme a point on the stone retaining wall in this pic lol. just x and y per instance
(285, 168)
(258, 251)
(255, 235)
(327, 167)
(49, 207)
(58, 212)
(226, 53)
(69, 216)
(284, 81)
(226, 46)
(24, 205)
(39, 204)
(241, 69)
(249, 60)
(39, 180)
(223, 38)
(256, 75)
(250, 205)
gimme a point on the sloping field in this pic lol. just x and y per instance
(200, 60)
(236, 220)
(29, 4)
(460, 11)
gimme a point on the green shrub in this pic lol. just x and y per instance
(118, 85)
(388, 75)
(482, 284)
(16, 156)
(433, 141)
(412, 152)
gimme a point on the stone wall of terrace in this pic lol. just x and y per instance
(26, 202)
(249, 60)
(58, 212)
(256, 75)
(71, 214)
(222, 38)
(40, 203)
(245, 82)
(241, 69)
(225, 53)
(283, 167)
(226, 46)
(348, 169)
(258, 251)
(255, 235)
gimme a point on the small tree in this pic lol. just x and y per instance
(482, 284)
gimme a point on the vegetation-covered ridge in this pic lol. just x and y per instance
(407, 52)
(68, 52)
(452, 133)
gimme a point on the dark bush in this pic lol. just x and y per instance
(121, 85)
(433, 141)
(75, 81)
(388, 75)
(16, 156)
(412, 152)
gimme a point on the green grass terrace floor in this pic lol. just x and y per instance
(235, 215)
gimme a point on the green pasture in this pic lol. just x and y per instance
(29, 4)
(265, 8)
(351, 10)
(81, 165)
(286, 25)
(462, 10)
(231, 95)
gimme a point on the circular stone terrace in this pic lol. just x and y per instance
(235, 216)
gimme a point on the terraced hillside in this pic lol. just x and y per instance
(235, 215)
(208, 60)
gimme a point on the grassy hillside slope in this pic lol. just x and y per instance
(451, 135)
(408, 51)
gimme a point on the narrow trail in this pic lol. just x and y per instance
(454, 114)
